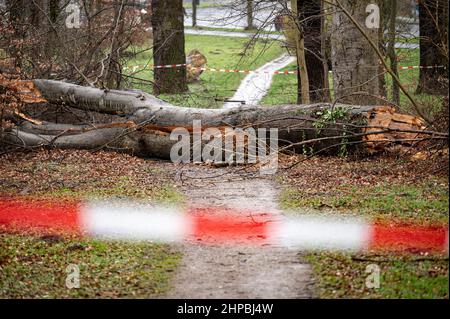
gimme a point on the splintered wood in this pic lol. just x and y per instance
(25, 90)
(389, 126)
(19, 92)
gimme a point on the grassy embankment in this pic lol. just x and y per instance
(221, 52)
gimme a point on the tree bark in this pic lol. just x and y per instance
(17, 20)
(354, 62)
(302, 77)
(382, 46)
(391, 50)
(146, 123)
(310, 12)
(194, 12)
(53, 10)
(433, 21)
(250, 25)
(168, 46)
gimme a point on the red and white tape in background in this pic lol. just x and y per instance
(421, 67)
(218, 225)
(174, 66)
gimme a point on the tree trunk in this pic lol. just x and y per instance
(194, 12)
(249, 8)
(326, 47)
(168, 46)
(382, 46)
(53, 12)
(354, 62)
(310, 12)
(433, 21)
(302, 77)
(142, 124)
(17, 21)
(391, 50)
(113, 77)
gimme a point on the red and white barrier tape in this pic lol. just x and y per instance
(218, 225)
(421, 67)
(174, 66)
(249, 71)
(135, 68)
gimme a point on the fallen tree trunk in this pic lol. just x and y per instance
(142, 123)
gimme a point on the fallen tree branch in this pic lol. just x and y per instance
(144, 123)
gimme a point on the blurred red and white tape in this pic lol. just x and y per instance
(217, 225)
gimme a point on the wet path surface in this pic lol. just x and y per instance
(256, 85)
(242, 270)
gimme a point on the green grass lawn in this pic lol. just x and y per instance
(425, 203)
(401, 276)
(384, 192)
(283, 89)
(404, 275)
(221, 52)
(34, 267)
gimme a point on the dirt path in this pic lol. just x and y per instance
(240, 271)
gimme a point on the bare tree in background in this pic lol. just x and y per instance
(112, 76)
(37, 43)
(194, 12)
(433, 20)
(250, 25)
(387, 38)
(303, 77)
(391, 53)
(310, 13)
(382, 45)
(168, 46)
